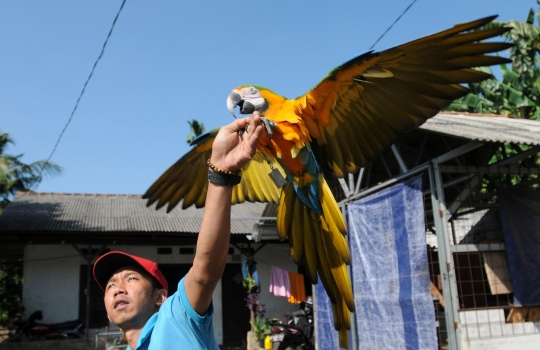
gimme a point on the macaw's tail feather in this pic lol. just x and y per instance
(298, 231)
(318, 242)
(312, 230)
(343, 339)
(333, 238)
(332, 220)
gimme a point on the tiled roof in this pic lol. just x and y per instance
(111, 213)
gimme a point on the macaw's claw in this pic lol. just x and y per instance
(242, 131)
(268, 126)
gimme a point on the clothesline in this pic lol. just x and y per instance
(287, 284)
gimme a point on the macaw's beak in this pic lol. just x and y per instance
(233, 100)
(248, 99)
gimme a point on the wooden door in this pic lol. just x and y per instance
(235, 312)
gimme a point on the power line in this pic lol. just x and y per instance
(86, 83)
(397, 19)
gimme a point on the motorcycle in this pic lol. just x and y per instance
(30, 330)
(297, 333)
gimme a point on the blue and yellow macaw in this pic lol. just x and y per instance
(357, 111)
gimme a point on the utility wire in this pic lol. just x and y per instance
(86, 83)
(397, 19)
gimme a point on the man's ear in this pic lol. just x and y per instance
(161, 296)
(107, 312)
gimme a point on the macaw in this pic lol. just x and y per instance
(356, 112)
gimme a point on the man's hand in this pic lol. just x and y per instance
(231, 151)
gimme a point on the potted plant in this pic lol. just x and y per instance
(260, 326)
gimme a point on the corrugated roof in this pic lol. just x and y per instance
(111, 213)
(128, 213)
(489, 128)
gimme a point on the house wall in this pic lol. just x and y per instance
(51, 279)
(51, 282)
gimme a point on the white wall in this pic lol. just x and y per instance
(51, 279)
(507, 343)
(276, 255)
(51, 284)
(487, 330)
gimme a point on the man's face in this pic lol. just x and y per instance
(130, 298)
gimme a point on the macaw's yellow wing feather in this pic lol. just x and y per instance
(286, 205)
(362, 106)
(181, 178)
(187, 180)
(256, 185)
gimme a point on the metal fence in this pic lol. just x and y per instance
(470, 279)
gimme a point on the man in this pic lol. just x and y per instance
(136, 291)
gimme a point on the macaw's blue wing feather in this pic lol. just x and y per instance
(306, 185)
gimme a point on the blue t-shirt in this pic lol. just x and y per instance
(178, 326)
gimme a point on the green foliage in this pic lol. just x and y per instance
(493, 181)
(196, 129)
(518, 93)
(18, 176)
(10, 292)
(260, 327)
(15, 176)
(249, 283)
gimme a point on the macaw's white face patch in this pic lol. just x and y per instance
(253, 101)
(249, 100)
(250, 92)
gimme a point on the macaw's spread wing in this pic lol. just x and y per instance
(187, 180)
(361, 107)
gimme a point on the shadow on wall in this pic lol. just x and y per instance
(71, 344)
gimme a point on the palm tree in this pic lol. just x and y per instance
(18, 176)
(196, 130)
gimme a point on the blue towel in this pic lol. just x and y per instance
(387, 238)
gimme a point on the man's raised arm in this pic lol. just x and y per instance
(230, 152)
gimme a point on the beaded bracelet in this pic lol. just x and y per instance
(221, 171)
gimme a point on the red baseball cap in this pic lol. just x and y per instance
(107, 264)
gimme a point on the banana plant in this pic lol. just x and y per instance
(516, 94)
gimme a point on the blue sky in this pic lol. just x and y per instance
(168, 62)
